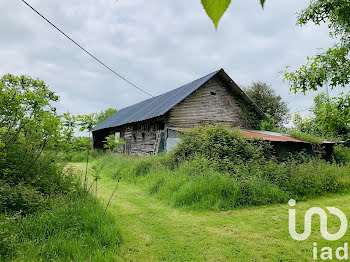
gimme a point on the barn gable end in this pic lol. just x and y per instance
(214, 102)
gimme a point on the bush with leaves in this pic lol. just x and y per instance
(29, 124)
(330, 117)
(113, 143)
(225, 149)
(268, 124)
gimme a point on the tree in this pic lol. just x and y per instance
(330, 117)
(26, 113)
(332, 65)
(270, 103)
(29, 175)
(103, 115)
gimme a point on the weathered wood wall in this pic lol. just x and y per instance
(140, 138)
(212, 103)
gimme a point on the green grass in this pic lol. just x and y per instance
(79, 156)
(195, 184)
(153, 230)
(74, 229)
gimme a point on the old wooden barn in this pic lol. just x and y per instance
(152, 126)
(214, 98)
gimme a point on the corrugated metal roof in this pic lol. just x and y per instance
(271, 136)
(264, 135)
(159, 105)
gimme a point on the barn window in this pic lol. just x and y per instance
(117, 136)
(213, 93)
(134, 136)
(143, 136)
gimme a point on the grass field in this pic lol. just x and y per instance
(152, 230)
(71, 230)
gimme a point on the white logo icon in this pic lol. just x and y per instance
(323, 222)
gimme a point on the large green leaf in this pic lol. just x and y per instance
(215, 9)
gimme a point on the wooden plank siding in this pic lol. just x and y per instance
(140, 137)
(212, 103)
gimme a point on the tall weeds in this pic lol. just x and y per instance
(216, 168)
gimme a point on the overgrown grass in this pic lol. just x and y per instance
(74, 229)
(216, 168)
(195, 184)
(79, 156)
(46, 216)
(305, 136)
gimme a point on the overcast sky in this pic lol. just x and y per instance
(157, 44)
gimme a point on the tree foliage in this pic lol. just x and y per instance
(332, 65)
(29, 124)
(103, 115)
(268, 124)
(216, 8)
(330, 117)
(270, 103)
(26, 113)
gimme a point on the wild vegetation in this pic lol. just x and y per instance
(47, 211)
(269, 102)
(44, 213)
(153, 230)
(330, 66)
(217, 168)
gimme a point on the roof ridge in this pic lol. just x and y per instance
(214, 72)
(158, 96)
(161, 104)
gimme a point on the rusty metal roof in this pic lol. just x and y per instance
(271, 136)
(264, 135)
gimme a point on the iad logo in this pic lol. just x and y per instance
(323, 222)
(341, 253)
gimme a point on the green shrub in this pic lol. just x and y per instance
(223, 147)
(72, 230)
(20, 198)
(28, 178)
(341, 154)
(197, 183)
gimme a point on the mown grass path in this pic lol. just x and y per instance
(154, 231)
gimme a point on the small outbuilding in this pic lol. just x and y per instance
(283, 144)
